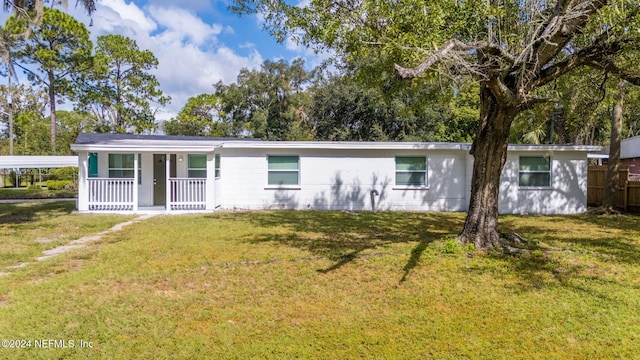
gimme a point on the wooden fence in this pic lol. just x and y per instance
(628, 192)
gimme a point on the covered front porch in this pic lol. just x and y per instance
(166, 175)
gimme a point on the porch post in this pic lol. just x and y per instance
(167, 182)
(210, 188)
(83, 188)
(136, 166)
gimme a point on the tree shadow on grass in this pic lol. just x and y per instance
(416, 254)
(543, 272)
(344, 236)
(569, 251)
(26, 212)
(614, 237)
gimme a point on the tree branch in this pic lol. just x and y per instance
(447, 51)
(35, 75)
(611, 68)
(560, 29)
(532, 101)
(594, 55)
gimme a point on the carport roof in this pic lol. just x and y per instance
(39, 161)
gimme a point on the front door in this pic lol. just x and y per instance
(160, 177)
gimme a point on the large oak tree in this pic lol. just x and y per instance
(510, 47)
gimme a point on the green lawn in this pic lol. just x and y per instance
(35, 193)
(330, 285)
(27, 229)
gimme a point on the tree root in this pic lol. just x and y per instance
(512, 244)
(603, 210)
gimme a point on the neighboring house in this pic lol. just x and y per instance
(630, 154)
(138, 173)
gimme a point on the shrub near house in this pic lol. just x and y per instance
(64, 179)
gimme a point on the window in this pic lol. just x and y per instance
(217, 159)
(411, 171)
(197, 166)
(284, 170)
(121, 166)
(534, 171)
(93, 165)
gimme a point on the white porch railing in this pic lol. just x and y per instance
(188, 194)
(109, 194)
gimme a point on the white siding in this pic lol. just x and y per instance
(145, 190)
(342, 180)
(566, 195)
(341, 176)
(630, 148)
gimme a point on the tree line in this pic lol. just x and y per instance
(285, 101)
(109, 83)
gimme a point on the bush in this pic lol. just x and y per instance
(10, 180)
(66, 173)
(59, 184)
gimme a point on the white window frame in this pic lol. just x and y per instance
(527, 172)
(216, 159)
(190, 168)
(122, 169)
(424, 185)
(283, 186)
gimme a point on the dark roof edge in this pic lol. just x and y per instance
(91, 138)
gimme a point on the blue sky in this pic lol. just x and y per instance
(197, 42)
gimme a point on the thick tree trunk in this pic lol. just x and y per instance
(613, 165)
(490, 154)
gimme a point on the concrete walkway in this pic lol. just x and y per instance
(76, 244)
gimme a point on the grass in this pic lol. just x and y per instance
(27, 229)
(310, 284)
(35, 193)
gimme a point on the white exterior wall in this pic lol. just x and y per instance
(566, 195)
(83, 174)
(630, 148)
(341, 176)
(145, 190)
(342, 180)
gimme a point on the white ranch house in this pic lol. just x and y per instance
(144, 173)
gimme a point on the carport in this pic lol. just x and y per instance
(17, 162)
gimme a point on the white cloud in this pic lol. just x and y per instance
(184, 26)
(190, 53)
(114, 15)
(190, 56)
